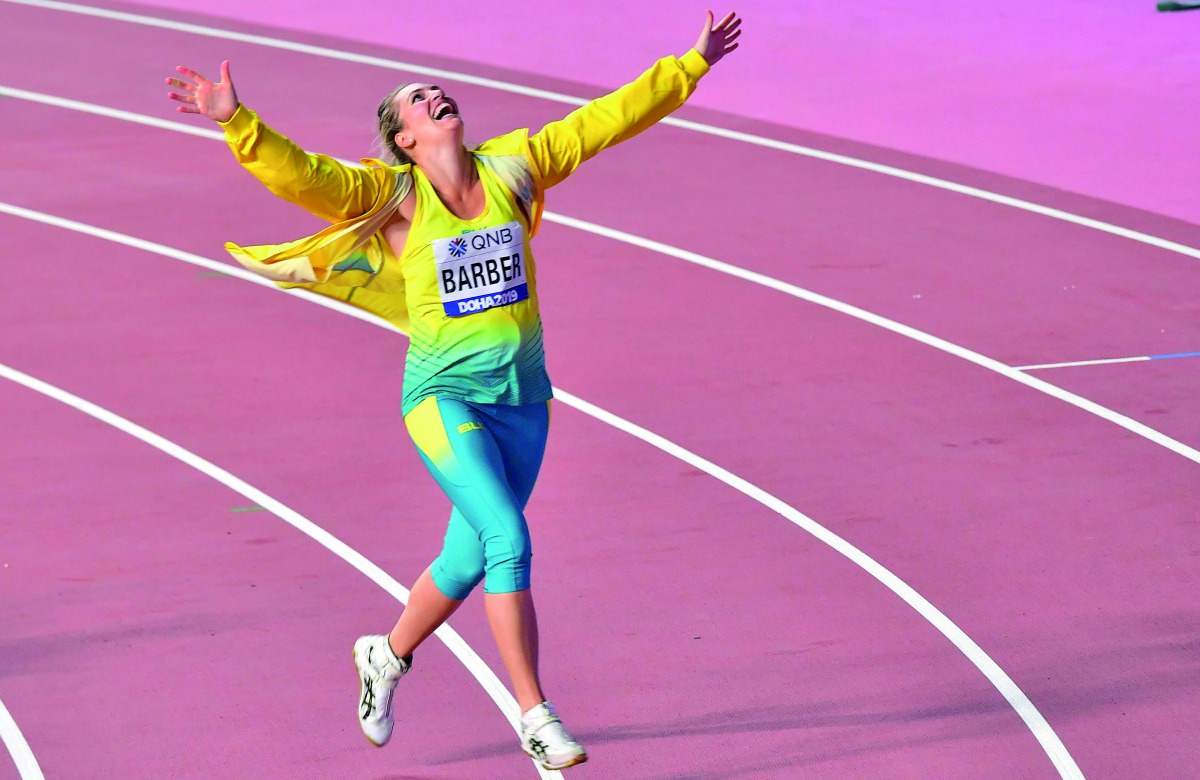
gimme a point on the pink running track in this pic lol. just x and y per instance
(154, 625)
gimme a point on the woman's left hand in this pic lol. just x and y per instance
(717, 41)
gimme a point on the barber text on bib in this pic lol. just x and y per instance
(481, 270)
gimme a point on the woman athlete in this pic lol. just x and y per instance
(436, 241)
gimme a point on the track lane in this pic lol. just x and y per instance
(166, 594)
(732, 270)
(617, 150)
(1164, 324)
(672, 614)
(854, 235)
(1161, 393)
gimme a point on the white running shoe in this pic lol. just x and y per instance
(545, 740)
(378, 672)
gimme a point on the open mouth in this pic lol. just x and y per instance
(445, 111)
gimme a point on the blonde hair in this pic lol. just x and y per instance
(389, 125)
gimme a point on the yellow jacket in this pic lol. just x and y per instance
(344, 260)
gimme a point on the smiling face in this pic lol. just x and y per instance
(428, 118)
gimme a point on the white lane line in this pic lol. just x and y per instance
(1101, 362)
(1050, 742)
(457, 645)
(301, 48)
(1106, 361)
(1025, 709)
(990, 364)
(943, 184)
(111, 113)
(18, 748)
(557, 97)
(754, 277)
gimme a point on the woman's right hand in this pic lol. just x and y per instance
(216, 101)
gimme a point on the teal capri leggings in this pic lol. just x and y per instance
(485, 457)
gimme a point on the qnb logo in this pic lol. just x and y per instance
(458, 247)
(491, 239)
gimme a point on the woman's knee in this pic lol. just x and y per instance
(456, 575)
(507, 558)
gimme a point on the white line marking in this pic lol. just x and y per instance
(941, 184)
(720, 132)
(1041, 730)
(475, 665)
(302, 48)
(1083, 363)
(111, 113)
(1014, 374)
(18, 748)
(716, 265)
(1050, 742)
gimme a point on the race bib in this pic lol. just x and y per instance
(481, 270)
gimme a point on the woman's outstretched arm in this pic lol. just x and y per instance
(561, 147)
(316, 182)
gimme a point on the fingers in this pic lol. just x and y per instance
(225, 77)
(181, 98)
(188, 109)
(729, 29)
(181, 84)
(717, 40)
(193, 75)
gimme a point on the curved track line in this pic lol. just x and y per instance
(1015, 374)
(456, 644)
(941, 344)
(1055, 750)
(18, 748)
(557, 97)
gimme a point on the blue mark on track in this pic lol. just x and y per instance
(1175, 355)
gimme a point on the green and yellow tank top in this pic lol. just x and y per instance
(464, 289)
(471, 292)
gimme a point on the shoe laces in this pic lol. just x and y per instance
(384, 664)
(544, 729)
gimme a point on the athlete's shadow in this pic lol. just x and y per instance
(45, 652)
(1132, 660)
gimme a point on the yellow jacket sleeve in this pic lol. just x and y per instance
(560, 147)
(316, 182)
